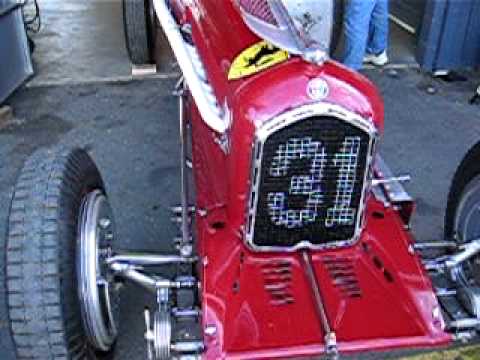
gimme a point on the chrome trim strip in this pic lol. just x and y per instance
(193, 70)
(284, 120)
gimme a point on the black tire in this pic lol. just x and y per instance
(462, 191)
(44, 308)
(462, 221)
(140, 31)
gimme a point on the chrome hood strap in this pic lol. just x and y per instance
(331, 348)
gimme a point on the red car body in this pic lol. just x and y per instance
(377, 293)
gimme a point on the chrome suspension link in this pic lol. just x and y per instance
(150, 282)
(137, 259)
(452, 265)
(448, 263)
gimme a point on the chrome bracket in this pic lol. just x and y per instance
(463, 324)
(449, 263)
(390, 184)
(392, 180)
(179, 88)
(431, 245)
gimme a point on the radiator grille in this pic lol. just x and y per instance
(259, 9)
(310, 184)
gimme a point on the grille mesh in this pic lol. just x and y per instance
(311, 183)
(259, 9)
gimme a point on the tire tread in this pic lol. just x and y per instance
(136, 31)
(39, 252)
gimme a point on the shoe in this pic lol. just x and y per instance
(377, 60)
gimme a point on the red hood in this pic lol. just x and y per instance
(286, 82)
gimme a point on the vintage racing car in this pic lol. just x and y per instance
(296, 241)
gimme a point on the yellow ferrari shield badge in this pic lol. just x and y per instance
(256, 58)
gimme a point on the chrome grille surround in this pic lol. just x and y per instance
(294, 117)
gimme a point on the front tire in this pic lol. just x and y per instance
(462, 194)
(41, 258)
(462, 224)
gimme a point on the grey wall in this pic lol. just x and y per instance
(15, 63)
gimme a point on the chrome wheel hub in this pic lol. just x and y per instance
(97, 291)
(467, 228)
(467, 273)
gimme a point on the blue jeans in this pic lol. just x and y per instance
(366, 30)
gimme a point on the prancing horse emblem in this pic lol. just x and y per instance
(256, 58)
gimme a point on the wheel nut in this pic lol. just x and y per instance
(186, 250)
(104, 223)
(210, 330)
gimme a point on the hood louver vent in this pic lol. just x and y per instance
(344, 277)
(260, 9)
(277, 278)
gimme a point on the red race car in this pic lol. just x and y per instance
(297, 240)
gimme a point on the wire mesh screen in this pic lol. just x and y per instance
(311, 183)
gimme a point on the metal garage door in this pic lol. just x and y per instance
(448, 31)
(409, 11)
(15, 63)
(450, 37)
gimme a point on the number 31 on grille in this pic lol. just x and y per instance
(308, 184)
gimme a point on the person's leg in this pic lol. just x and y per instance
(357, 24)
(379, 28)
